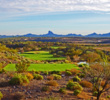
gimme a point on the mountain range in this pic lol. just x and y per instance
(51, 34)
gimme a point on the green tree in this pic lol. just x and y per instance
(22, 66)
(92, 57)
(99, 75)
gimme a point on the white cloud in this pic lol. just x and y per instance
(53, 5)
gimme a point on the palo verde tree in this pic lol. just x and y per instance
(92, 57)
(22, 66)
(99, 75)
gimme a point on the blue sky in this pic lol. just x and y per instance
(60, 16)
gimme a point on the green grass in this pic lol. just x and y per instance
(56, 47)
(40, 55)
(44, 67)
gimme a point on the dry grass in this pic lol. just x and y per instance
(85, 84)
(103, 48)
(29, 76)
(74, 71)
(50, 78)
(52, 83)
(46, 88)
(84, 95)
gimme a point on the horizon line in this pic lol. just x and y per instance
(57, 34)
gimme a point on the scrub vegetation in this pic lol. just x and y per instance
(42, 70)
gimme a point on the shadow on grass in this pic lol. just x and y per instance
(28, 53)
(45, 54)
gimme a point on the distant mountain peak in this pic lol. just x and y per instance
(50, 33)
(29, 34)
(94, 33)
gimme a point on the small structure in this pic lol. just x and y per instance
(83, 62)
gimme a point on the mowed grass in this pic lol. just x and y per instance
(56, 47)
(44, 67)
(41, 55)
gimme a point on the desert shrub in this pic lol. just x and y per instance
(80, 65)
(63, 90)
(81, 75)
(108, 96)
(45, 72)
(29, 76)
(74, 86)
(15, 81)
(33, 71)
(10, 62)
(1, 95)
(62, 62)
(38, 77)
(1, 67)
(10, 74)
(67, 61)
(95, 93)
(74, 71)
(50, 78)
(70, 85)
(76, 92)
(46, 89)
(19, 79)
(86, 66)
(76, 78)
(68, 73)
(57, 77)
(18, 96)
(52, 83)
(86, 84)
(56, 72)
(37, 72)
(22, 66)
(2, 70)
(3, 62)
(23, 80)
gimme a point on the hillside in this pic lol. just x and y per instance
(8, 55)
